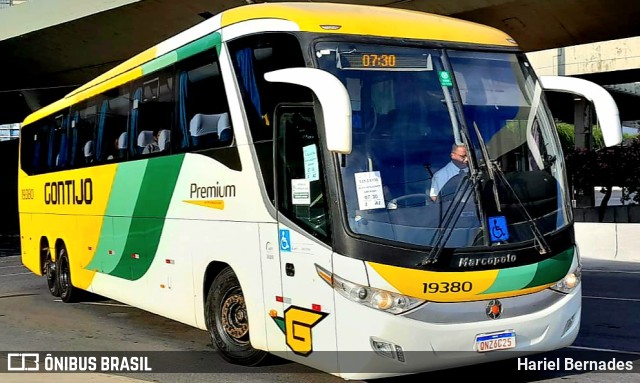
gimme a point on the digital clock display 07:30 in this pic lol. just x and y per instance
(372, 60)
(355, 60)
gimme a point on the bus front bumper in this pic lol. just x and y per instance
(406, 346)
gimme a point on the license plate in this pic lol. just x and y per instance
(495, 341)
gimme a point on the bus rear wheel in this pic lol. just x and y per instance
(51, 273)
(227, 321)
(68, 293)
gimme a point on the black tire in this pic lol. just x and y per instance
(51, 273)
(68, 293)
(227, 321)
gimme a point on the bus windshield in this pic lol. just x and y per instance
(451, 148)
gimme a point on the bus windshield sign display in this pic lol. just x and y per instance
(355, 60)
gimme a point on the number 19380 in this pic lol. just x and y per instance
(446, 287)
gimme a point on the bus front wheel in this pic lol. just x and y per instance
(227, 321)
(68, 293)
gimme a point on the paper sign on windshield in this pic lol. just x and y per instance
(300, 192)
(310, 162)
(369, 189)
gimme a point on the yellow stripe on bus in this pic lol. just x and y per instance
(438, 286)
(448, 286)
(126, 66)
(377, 21)
(68, 102)
(210, 203)
(128, 71)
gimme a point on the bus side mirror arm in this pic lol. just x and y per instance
(605, 105)
(334, 100)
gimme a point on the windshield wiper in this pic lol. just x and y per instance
(451, 216)
(539, 242)
(492, 169)
(488, 165)
(468, 185)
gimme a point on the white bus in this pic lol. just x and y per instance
(268, 176)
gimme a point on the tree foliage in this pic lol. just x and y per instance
(606, 167)
(602, 166)
(567, 135)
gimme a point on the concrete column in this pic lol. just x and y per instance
(561, 62)
(583, 141)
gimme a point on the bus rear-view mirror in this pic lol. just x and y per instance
(334, 100)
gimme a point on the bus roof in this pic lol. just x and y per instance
(310, 17)
(371, 20)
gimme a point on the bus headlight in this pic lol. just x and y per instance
(371, 297)
(569, 282)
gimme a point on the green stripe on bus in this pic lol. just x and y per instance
(126, 187)
(149, 216)
(105, 244)
(200, 45)
(117, 221)
(195, 47)
(512, 279)
(161, 62)
(553, 269)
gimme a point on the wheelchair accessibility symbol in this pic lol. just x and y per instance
(498, 229)
(285, 240)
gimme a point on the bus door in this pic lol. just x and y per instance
(308, 320)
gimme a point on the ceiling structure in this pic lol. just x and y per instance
(49, 50)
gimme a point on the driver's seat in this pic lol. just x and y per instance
(449, 190)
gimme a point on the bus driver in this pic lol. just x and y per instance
(457, 165)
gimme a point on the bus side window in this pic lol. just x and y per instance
(112, 125)
(62, 125)
(41, 146)
(152, 116)
(27, 146)
(202, 108)
(83, 150)
(253, 56)
(300, 181)
(52, 145)
(43, 141)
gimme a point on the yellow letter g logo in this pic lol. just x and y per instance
(298, 324)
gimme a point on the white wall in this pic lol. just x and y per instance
(611, 241)
(606, 56)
